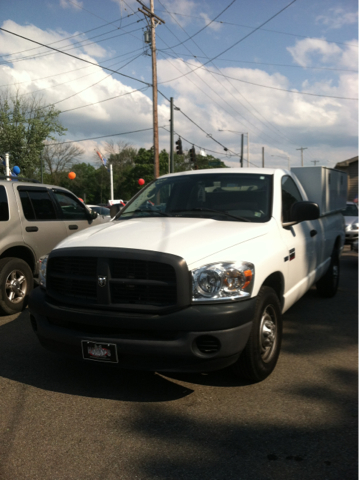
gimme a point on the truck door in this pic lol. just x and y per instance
(301, 241)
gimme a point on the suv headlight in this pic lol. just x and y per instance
(222, 282)
(42, 270)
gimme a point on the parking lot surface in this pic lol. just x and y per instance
(61, 419)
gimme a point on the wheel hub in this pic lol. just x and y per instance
(15, 286)
(268, 334)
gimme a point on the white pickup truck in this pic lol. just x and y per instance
(195, 272)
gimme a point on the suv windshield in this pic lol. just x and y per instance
(221, 196)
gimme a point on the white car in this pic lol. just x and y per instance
(351, 223)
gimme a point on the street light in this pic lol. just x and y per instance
(283, 156)
(240, 133)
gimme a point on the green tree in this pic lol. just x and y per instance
(144, 168)
(25, 124)
(85, 185)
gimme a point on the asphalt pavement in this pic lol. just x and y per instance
(64, 420)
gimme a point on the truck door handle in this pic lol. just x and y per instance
(313, 233)
(73, 227)
(31, 229)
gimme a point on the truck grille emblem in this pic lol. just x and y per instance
(101, 281)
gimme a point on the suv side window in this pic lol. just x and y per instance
(37, 205)
(70, 207)
(4, 207)
(290, 195)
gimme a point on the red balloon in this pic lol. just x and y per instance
(141, 181)
(81, 200)
(72, 175)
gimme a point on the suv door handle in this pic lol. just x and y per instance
(31, 229)
(73, 227)
(313, 233)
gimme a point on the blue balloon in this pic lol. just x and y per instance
(16, 170)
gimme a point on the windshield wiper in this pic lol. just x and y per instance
(211, 210)
(145, 210)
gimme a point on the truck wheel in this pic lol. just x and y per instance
(16, 283)
(261, 353)
(327, 286)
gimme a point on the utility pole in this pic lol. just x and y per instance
(262, 157)
(154, 19)
(315, 161)
(242, 150)
(172, 159)
(301, 150)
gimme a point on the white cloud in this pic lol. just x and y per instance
(304, 51)
(73, 4)
(214, 25)
(337, 18)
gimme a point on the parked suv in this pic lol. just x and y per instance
(34, 218)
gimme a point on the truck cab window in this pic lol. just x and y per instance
(290, 195)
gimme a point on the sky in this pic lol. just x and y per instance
(283, 73)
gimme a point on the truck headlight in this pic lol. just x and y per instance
(42, 270)
(222, 281)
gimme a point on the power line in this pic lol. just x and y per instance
(105, 136)
(264, 63)
(201, 30)
(236, 43)
(74, 56)
(194, 123)
(275, 130)
(264, 29)
(231, 106)
(72, 36)
(256, 84)
(79, 78)
(79, 44)
(90, 86)
(70, 71)
(105, 100)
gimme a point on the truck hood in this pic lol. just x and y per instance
(190, 238)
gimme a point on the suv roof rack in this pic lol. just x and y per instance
(19, 179)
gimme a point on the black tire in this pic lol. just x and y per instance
(327, 286)
(261, 353)
(16, 283)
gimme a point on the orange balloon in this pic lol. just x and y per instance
(81, 200)
(72, 175)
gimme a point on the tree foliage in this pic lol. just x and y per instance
(25, 124)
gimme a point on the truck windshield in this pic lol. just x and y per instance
(221, 196)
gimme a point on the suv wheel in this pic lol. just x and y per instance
(16, 283)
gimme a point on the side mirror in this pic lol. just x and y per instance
(93, 215)
(302, 211)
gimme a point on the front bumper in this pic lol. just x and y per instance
(170, 342)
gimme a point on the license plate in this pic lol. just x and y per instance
(99, 352)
